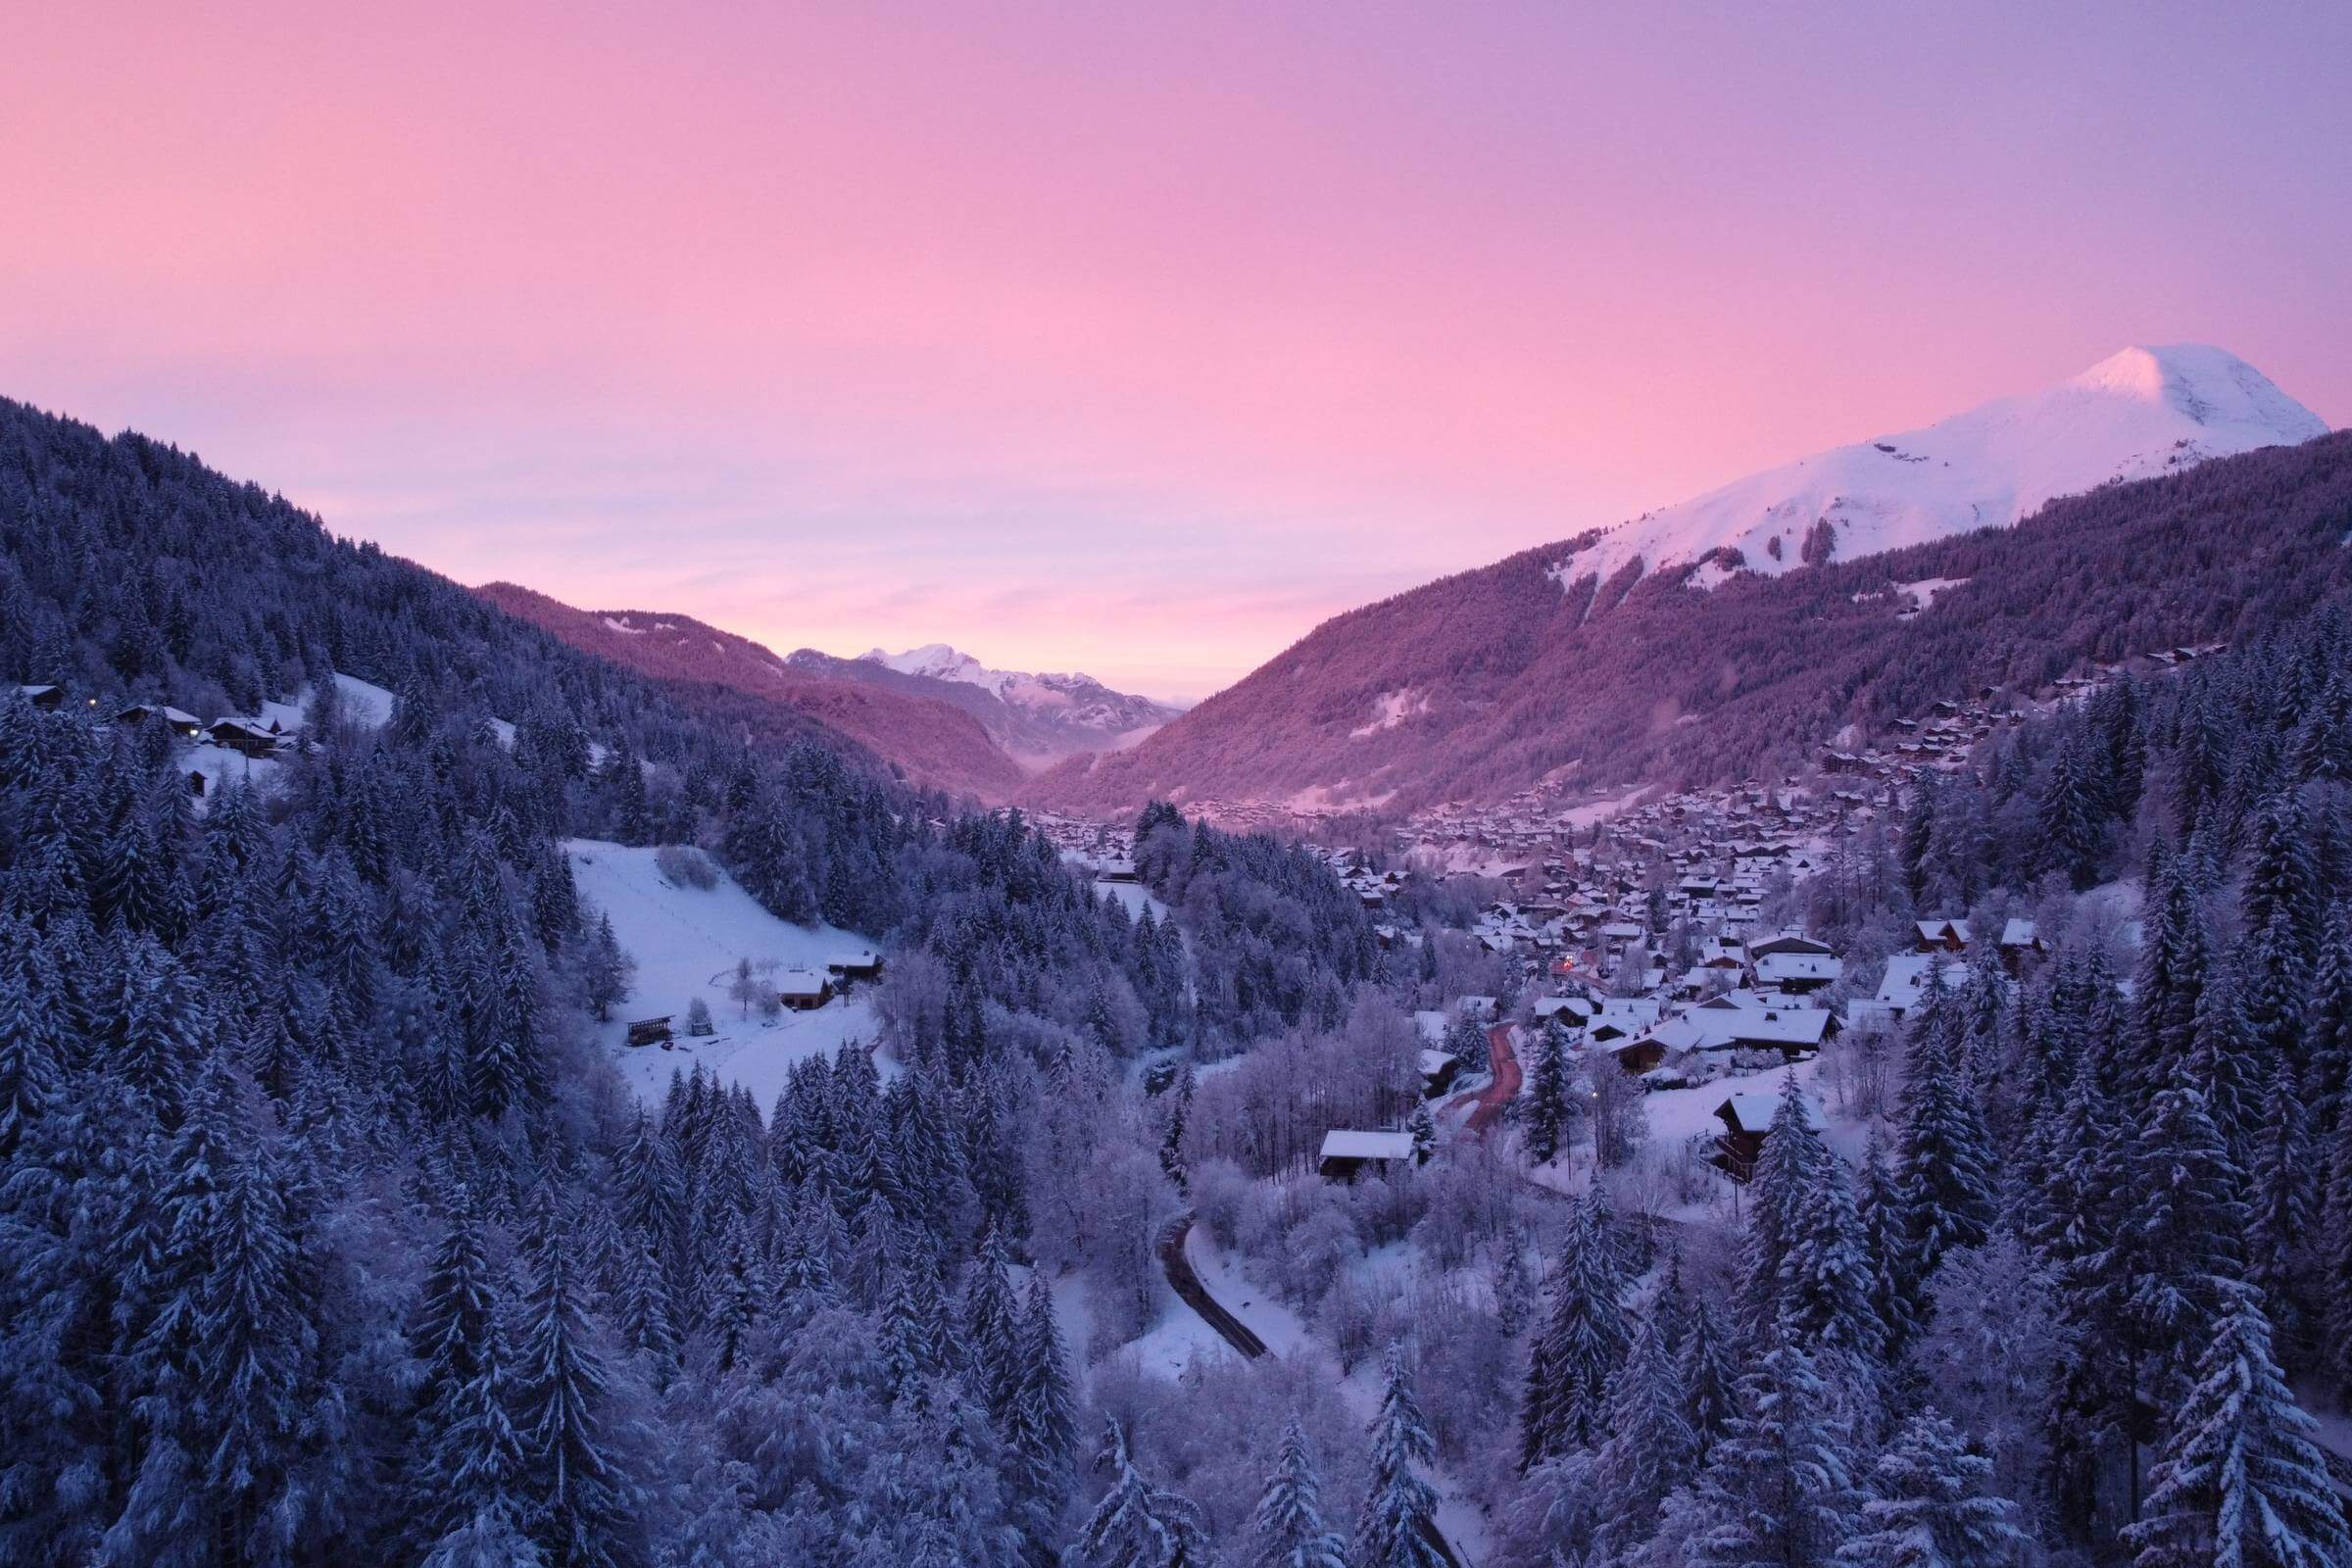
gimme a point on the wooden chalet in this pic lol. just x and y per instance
(1347, 1153)
(1746, 1122)
(43, 696)
(650, 1031)
(803, 990)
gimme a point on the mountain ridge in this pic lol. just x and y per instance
(1541, 666)
(932, 742)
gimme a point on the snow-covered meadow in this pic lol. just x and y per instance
(686, 942)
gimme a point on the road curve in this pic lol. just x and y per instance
(1186, 1283)
(1488, 1104)
(1185, 1280)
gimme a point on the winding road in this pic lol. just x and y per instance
(1185, 1280)
(1487, 1105)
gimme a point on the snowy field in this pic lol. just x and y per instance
(1135, 896)
(686, 941)
(364, 703)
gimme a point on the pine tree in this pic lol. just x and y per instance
(1930, 1509)
(1288, 1527)
(1944, 1173)
(1894, 1297)
(580, 1506)
(1651, 1448)
(1808, 1279)
(1779, 1487)
(607, 969)
(2278, 1196)
(1709, 1379)
(1044, 1427)
(2241, 1480)
(1579, 1346)
(1400, 1508)
(1550, 1109)
(1137, 1525)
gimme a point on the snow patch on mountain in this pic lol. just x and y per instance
(1391, 709)
(2137, 415)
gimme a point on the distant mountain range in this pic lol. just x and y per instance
(1728, 635)
(940, 716)
(1036, 719)
(931, 742)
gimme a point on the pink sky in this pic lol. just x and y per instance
(1131, 340)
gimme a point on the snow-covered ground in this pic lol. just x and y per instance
(364, 703)
(686, 942)
(1135, 896)
(219, 764)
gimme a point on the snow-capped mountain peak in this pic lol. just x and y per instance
(2135, 415)
(1044, 716)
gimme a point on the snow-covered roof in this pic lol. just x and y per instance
(1752, 1112)
(800, 983)
(2017, 934)
(1341, 1143)
(1780, 967)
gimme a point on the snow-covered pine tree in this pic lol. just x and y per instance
(1288, 1528)
(1043, 1429)
(607, 969)
(1779, 1487)
(1930, 1507)
(581, 1508)
(1550, 1109)
(2278, 1223)
(1579, 1347)
(1708, 1374)
(1944, 1171)
(1400, 1508)
(1886, 1249)
(1651, 1449)
(1137, 1525)
(2241, 1480)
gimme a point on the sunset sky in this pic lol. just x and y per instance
(1123, 338)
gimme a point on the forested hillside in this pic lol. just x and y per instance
(1478, 685)
(739, 685)
(326, 1235)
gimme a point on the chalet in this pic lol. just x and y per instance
(184, 725)
(1438, 1069)
(1941, 934)
(1906, 980)
(2021, 944)
(1116, 868)
(803, 990)
(1346, 1153)
(247, 737)
(1746, 1121)
(1570, 1010)
(1791, 1031)
(44, 697)
(1791, 941)
(861, 963)
(650, 1031)
(1639, 1054)
(1798, 973)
